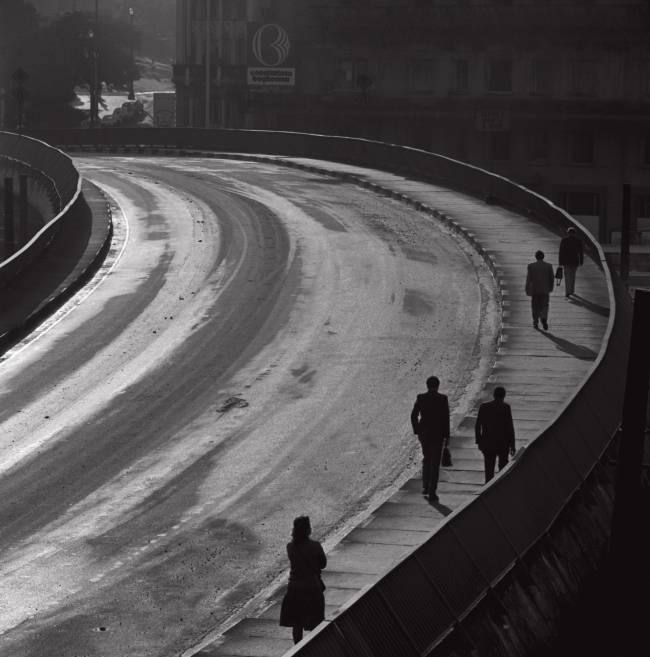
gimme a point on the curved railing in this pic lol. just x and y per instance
(433, 594)
(64, 182)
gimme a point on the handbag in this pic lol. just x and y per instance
(559, 272)
(446, 457)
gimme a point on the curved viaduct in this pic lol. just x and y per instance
(538, 517)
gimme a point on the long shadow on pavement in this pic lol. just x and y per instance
(589, 305)
(575, 350)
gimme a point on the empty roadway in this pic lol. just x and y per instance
(251, 354)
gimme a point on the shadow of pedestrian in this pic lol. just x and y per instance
(445, 510)
(575, 350)
(589, 305)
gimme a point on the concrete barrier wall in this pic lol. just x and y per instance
(43, 201)
(56, 183)
(491, 580)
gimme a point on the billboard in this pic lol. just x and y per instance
(269, 57)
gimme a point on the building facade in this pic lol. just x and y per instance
(554, 94)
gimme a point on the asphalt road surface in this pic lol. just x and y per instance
(250, 352)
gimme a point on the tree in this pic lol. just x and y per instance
(18, 28)
(63, 60)
(59, 56)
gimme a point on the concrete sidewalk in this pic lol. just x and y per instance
(540, 370)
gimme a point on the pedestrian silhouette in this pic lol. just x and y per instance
(539, 285)
(430, 421)
(495, 432)
(303, 605)
(571, 257)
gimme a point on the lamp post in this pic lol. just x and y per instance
(94, 83)
(92, 86)
(131, 90)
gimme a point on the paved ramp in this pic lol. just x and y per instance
(540, 370)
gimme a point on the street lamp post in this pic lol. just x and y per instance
(94, 83)
(132, 73)
(92, 86)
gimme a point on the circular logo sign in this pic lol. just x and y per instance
(271, 44)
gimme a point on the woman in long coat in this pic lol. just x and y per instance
(303, 606)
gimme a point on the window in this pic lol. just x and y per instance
(541, 77)
(646, 151)
(198, 9)
(500, 75)
(349, 72)
(500, 146)
(538, 145)
(421, 74)
(583, 78)
(460, 81)
(581, 148)
(580, 203)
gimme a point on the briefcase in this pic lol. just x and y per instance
(559, 272)
(446, 457)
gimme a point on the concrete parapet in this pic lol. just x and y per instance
(56, 186)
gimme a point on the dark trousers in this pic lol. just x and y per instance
(539, 305)
(570, 278)
(431, 455)
(490, 458)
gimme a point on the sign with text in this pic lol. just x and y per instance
(272, 76)
(492, 120)
(269, 57)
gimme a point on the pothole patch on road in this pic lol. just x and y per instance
(232, 402)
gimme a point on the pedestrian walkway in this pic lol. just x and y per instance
(540, 371)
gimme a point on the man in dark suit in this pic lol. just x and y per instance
(571, 257)
(430, 420)
(495, 432)
(540, 280)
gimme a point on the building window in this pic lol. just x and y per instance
(500, 146)
(581, 148)
(461, 76)
(538, 145)
(542, 77)
(500, 75)
(349, 72)
(646, 151)
(583, 78)
(580, 203)
(421, 74)
(198, 10)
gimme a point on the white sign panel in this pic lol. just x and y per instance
(271, 76)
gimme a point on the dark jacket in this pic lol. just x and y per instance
(494, 429)
(571, 251)
(430, 415)
(540, 278)
(307, 559)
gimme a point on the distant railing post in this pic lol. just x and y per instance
(624, 267)
(23, 209)
(9, 236)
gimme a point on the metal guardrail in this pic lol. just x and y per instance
(433, 592)
(53, 165)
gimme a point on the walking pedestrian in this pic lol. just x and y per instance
(495, 432)
(430, 421)
(303, 605)
(539, 285)
(571, 257)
